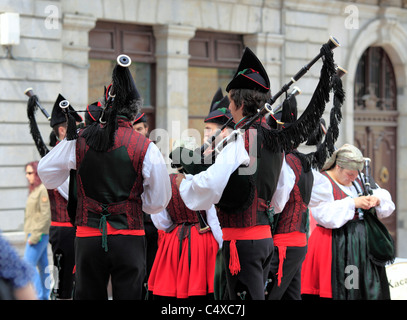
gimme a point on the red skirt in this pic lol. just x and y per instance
(317, 266)
(192, 273)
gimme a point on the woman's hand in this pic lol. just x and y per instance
(366, 202)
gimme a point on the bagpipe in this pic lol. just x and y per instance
(32, 105)
(321, 93)
(120, 95)
(380, 244)
(326, 148)
(276, 141)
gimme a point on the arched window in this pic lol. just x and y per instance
(375, 121)
(375, 85)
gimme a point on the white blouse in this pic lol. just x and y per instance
(326, 211)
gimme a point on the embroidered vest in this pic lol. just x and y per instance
(59, 212)
(338, 193)
(294, 216)
(110, 184)
(256, 186)
(177, 209)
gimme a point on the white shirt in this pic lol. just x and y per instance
(335, 213)
(201, 191)
(286, 184)
(63, 189)
(54, 169)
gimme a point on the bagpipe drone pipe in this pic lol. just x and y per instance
(32, 105)
(275, 141)
(380, 244)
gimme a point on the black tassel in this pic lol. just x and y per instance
(293, 134)
(35, 132)
(318, 158)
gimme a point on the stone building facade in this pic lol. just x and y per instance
(56, 50)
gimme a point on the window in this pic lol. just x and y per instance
(213, 62)
(375, 85)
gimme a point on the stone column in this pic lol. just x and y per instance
(75, 47)
(172, 56)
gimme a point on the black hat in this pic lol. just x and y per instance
(219, 112)
(58, 116)
(141, 117)
(93, 112)
(250, 74)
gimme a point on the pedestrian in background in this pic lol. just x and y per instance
(37, 222)
(15, 274)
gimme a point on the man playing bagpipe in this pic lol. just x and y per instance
(120, 175)
(244, 175)
(62, 232)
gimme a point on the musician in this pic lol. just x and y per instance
(339, 240)
(218, 116)
(290, 201)
(140, 124)
(62, 232)
(248, 245)
(184, 266)
(120, 175)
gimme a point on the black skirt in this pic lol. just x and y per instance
(354, 275)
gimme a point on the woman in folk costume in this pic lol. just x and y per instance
(338, 263)
(184, 265)
(120, 174)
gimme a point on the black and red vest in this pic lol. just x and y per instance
(294, 216)
(257, 188)
(59, 212)
(110, 184)
(176, 207)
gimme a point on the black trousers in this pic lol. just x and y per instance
(62, 240)
(290, 287)
(255, 257)
(124, 262)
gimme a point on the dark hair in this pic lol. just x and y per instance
(37, 180)
(250, 99)
(56, 128)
